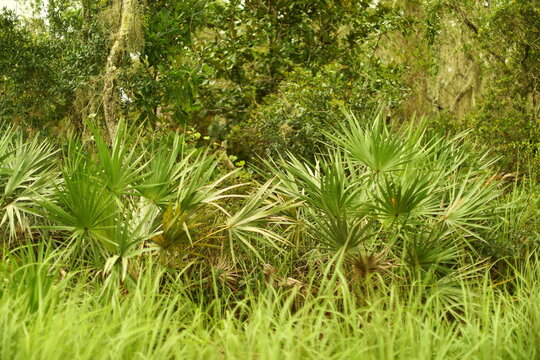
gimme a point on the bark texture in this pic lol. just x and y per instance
(127, 17)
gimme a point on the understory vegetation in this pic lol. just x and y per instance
(270, 180)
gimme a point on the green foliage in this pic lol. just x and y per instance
(27, 172)
(306, 104)
(115, 201)
(27, 71)
(504, 42)
(506, 123)
(425, 197)
(168, 73)
(370, 237)
(32, 273)
(268, 77)
(43, 66)
(253, 47)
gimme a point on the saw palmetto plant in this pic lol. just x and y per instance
(383, 185)
(422, 199)
(27, 172)
(116, 200)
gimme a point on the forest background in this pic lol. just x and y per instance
(268, 76)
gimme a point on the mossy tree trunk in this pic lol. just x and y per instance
(127, 14)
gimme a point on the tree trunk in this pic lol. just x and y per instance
(120, 39)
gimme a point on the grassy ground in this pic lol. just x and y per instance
(58, 316)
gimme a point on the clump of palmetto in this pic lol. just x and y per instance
(385, 198)
(27, 171)
(116, 201)
(388, 197)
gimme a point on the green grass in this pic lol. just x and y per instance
(73, 317)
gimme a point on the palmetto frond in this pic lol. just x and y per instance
(386, 184)
(27, 173)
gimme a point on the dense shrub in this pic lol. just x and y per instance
(421, 200)
(307, 103)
